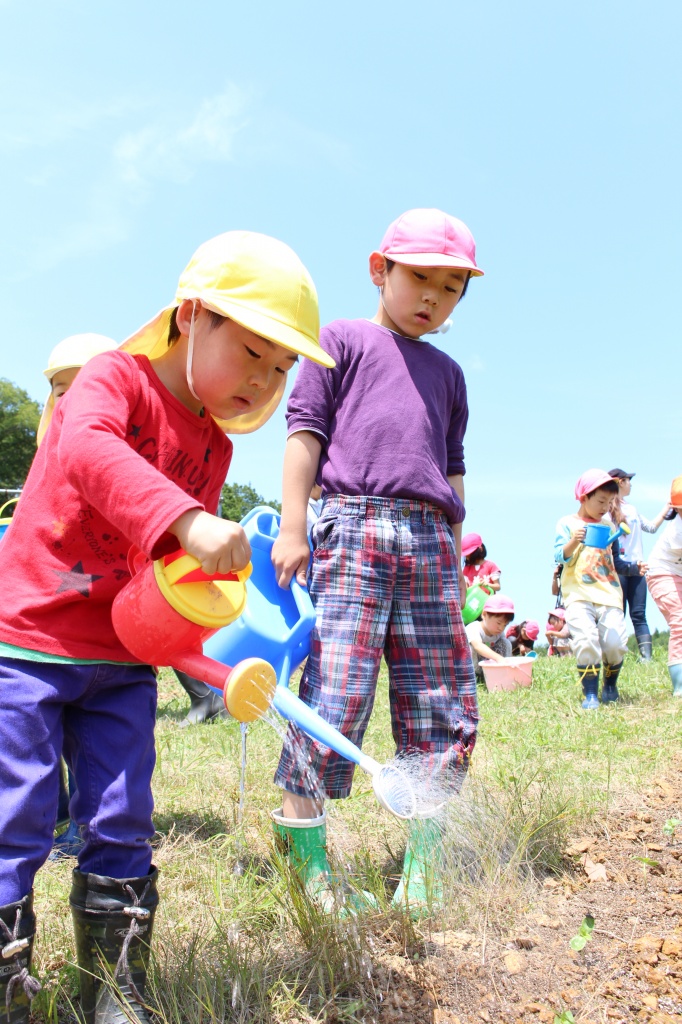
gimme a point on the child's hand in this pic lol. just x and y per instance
(219, 544)
(643, 568)
(290, 557)
(579, 534)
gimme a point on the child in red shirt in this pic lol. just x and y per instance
(137, 455)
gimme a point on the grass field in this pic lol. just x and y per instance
(236, 940)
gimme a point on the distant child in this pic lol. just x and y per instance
(64, 362)
(477, 566)
(523, 637)
(664, 580)
(384, 575)
(486, 636)
(591, 590)
(632, 583)
(558, 634)
(136, 454)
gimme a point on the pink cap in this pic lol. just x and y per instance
(430, 238)
(471, 541)
(498, 604)
(590, 481)
(532, 629)
(559, 613)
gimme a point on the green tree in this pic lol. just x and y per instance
(238, 499)
(19, 418)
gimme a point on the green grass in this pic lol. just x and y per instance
(237, 940)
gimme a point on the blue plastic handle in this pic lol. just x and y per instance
(294, 710)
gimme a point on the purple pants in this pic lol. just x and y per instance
(102, 717)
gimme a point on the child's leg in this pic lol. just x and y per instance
(351, 586)
(667, 593)
(30, 749)
(109, 742)
(433, 687)
(581, 617)
(613, 640)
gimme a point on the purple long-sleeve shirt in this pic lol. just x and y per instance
(391, 415)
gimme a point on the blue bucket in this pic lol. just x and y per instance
(276, 623)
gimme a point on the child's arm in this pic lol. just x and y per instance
(291, 550)
(483, 651)
(567, 541)
(219, 544)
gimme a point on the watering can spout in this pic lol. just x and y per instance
(623, 528)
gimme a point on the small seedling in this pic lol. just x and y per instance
(564, 1018)
(648, 863)
(671, 825)
(584, 935)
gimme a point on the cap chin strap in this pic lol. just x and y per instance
(190, 354)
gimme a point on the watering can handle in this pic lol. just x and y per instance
(12, 501)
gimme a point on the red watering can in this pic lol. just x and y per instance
(167, 610)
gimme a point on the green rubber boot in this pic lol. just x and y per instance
(113, 920)
(609, 691)
(17, 986)
(420, 889)
(676, 678)
(304, 842)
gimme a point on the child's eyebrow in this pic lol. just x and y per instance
(272, 344)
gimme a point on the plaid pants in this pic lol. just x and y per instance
(384, 582)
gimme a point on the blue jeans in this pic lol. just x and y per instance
(634, 599)
(103, 717)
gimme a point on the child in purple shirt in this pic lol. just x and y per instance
(383, 434)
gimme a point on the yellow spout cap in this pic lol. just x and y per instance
(250, 689)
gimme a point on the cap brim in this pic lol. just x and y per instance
(434, 259)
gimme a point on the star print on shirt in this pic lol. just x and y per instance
(76, 579)
(135, 431)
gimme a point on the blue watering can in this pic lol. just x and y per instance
(275, 626)
(598, 535)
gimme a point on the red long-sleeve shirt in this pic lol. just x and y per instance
(123, 459)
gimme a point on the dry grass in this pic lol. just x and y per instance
(236, 938)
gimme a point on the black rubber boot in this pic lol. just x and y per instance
(589, 677)
(609, 691)
(113, 920)
(17, 987)
(205, 704)
(644, 644)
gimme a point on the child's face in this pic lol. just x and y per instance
(234, 370)
(596, 505)
(62, 381)
(415, 300)
(554, 621)
(494, 623)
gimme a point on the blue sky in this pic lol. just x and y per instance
(130, 133)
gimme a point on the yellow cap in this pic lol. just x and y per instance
(209, 603)
(260, 283)
(72, 352)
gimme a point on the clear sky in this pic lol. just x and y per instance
(132, 132)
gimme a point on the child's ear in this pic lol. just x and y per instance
(183, 316)
(377, 268)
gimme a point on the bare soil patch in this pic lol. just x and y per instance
(626, 872)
